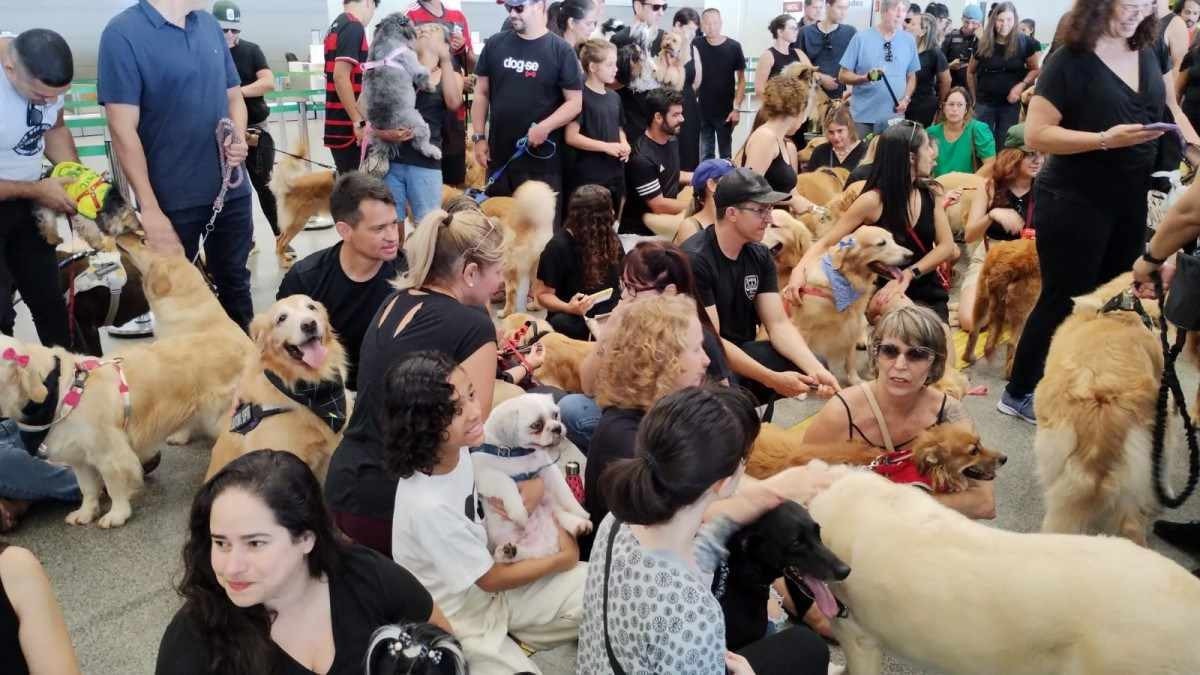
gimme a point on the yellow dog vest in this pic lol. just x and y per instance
(88, 190)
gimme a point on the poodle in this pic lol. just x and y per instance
(390, 79)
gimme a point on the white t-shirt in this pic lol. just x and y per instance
(438, 533)
(21, 143)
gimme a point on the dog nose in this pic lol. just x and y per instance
(309, 327)
(841, 571)
(1002, 460)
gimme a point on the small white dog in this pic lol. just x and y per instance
(517, 438)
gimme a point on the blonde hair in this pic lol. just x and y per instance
(445, 243)
(915, 326)
(640, 356)
(593, 50)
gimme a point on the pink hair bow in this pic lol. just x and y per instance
(11, 354)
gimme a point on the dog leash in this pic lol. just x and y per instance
(305, 159)
(225, 131)
(1170, 386)
(522, 149)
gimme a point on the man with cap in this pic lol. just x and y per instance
(737, 282)
(941, 12)
(257, 80)
(960, 45)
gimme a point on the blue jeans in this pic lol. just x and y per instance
(226, 251)
(866, 128)
(580, 415)
(723, 143)
(29, 478)
(416, 186)
(999, 119)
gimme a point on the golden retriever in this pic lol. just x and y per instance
(948, 454)
(787, 239)
(973, 187)
(300, 369)
(950, 595)
(1008, 287)
(823, 185)
(172, 384)
(528, 221)
(1095, 414)
(562, 357)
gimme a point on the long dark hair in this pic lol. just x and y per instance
(590, 216)
(418, 406)
(239, 639)
(1083, 25)
(892, 171)
(558, 13)
(688, 440)
(414, 649)
(654, 265)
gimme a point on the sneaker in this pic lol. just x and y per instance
(141, 326)
(1184, 536)
(1021, 407)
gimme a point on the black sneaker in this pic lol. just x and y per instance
(151, 464)
(1184, 536)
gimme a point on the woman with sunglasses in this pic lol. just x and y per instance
(908, 353)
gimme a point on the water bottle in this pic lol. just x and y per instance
(575, 481)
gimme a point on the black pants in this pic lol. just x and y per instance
(764, 353)
(571, 325)
(454, 149)
(346, 159)
(1081, 243)
(28, 265)
(722, 132)
(793, 651)
(260, 162)
(225, 252)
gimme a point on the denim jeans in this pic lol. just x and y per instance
(723, 134)
(580, 415)
(415, 186)
(29, 478)
(999, 119)
(226, 251)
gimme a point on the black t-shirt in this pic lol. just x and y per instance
(369, 591)
(599, 121)
(1092, 98)
(720, 64)
(731, 285)
(614, 439)
(526, 79)
(718, 365)
(961, 47)
(1191, 93)
(933, 63)
(997, 74)
(561, 268)
(652, 170)
(824, 156)
(1021, 204)
(350, 304)
(248, 58)
(432, 107)
(357, 482)
(634, 119)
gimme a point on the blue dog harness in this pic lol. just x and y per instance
(513, 453)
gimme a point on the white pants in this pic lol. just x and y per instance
(543, 615)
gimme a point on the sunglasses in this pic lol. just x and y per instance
(887, 51)
(827, 41)
(234, 31)
(519, 9)
(469, 256)
(761, 212)
(912, 354)
(655, 7)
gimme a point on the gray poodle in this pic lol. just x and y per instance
(390, 80)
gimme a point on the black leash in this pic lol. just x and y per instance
(1170, 386)
(305, 159)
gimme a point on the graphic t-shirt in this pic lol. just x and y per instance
(653, 170)
(22, 126)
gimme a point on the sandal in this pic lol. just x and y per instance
(11, 511)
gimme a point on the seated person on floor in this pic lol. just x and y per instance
(353, 277)
(908, 353)
(433, 416)
(582, 258)
(414, 649)
(703, 211)
(737, 283)
(652, 175)
(269, 585)
(33, 633)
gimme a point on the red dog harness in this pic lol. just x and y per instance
(899, 467)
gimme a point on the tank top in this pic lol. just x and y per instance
(1022, 205)
(779, 60)
(12, 659)
(854, 429)
(925, 289)
(779, 174)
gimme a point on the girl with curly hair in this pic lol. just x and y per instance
(269, 586)
(582, 258)
(433, 417)
(769, 151)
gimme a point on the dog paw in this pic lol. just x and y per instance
(114, 518)
(504, 311)
(179, 438)
(83, 515)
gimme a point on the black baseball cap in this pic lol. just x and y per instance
(743, 185)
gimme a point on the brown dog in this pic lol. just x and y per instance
(301, 195)
(1009, 285)
(528, 221)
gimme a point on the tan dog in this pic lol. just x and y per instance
(1095, 414)
(172, 384)
(563, 355)
(528, 221)
(823, 220)
(301, 195)
(973, 187)
(292, 394)
(823, 185)
(806, 153)
(787, 239)
(1009, 285)
(665, 225)
(668, 65)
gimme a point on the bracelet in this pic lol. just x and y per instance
(1104, 140)
(1150, 258)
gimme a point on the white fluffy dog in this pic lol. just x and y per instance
(518, 436)
(953, 596)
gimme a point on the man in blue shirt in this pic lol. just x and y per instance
(825, 42)
(881, 63)
(166, 78)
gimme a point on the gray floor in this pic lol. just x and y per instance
(116, 586)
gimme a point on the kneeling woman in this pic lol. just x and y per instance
(433, 416)
(269, 587)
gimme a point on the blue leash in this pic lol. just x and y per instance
(522, 149)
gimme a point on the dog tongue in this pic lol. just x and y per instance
(822, 596)
(313, 354)
(895, 272)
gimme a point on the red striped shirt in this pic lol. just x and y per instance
(345, 41)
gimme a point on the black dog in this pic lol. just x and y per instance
(785, 542)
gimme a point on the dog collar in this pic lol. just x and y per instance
(899, 467)
(34, 432)
(505, 452)
(844, 293)
(326, 399)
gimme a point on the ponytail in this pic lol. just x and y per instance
(443, 241)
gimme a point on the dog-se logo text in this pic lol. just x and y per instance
(529, 68)
(750, 284)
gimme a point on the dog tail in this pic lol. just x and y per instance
(535, 205)
(289, 167)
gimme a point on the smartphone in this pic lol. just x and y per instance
(1161, 126)
(601, 296)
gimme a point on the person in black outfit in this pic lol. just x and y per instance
(959, 45)
(652, 175)
(581, 259)
(1004, 66)
(601, 147)
(844, 149)
(529, 80)
(738, 286)
(687, 24)
(261, 554)
(33, 611)
(1089, 123)
(634, 118)
(257, 80)
(722, 85)
(643, 32)
(353, 277)
(933, 79)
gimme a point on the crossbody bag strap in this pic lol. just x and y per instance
(612, 657)
(883, 427)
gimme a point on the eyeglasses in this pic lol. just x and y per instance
(519, 9)
(1135, 8)
(887, 51)
(234, 31)
(892, 352)
(761, 212)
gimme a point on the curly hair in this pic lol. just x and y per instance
(784, 97)
(1004, 171)
(589, 220)
(640, 358)
(1085, 22)
(418, 406)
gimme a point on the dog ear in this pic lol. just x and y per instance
(840, 251)
(259, 328)
(30, 378)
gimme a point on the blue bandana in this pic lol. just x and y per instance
(844, 294)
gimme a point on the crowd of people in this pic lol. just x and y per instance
(388, 560)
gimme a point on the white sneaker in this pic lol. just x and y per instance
(140, 326)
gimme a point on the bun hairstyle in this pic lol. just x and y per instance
(687, 441)
(443, 244)
(592, 51)
(416, 649)
(558, 13)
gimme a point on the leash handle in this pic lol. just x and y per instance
(226, 130)
(522, 149)
(1170, 386)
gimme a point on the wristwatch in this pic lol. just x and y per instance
(475, 138)
(1149, 257)
(916, 272)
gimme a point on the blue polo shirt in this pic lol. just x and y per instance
(178, 77)
(871, 102)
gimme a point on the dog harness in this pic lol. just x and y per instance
(842, 291)
(388, 61)
(899, 467)
(104, 270)
(88, 190)
(326, 400)
(247, 416)
(513, 453)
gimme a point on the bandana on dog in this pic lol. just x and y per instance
(326, 400)
(89, 189)
(844, 293)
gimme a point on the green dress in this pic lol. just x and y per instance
(972, 147)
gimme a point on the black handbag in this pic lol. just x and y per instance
(1182, 306)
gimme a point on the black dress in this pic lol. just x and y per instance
(779, 61)
(926, 290)
(689, 135)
